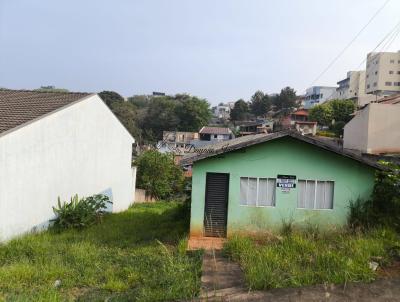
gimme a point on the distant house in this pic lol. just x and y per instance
(177, 142)
(375, 128)
(254, 127)
(222, 111)
(256, 183)
(57, 144)
(215, 134)
(289, 121)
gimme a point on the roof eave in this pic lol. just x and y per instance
(320, 144)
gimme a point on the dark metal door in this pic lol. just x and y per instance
(216, 204)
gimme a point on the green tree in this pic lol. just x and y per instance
(240, 111)
(286, 99)
(51, 89)
(193, 113)
(260, 103)
(342, 110)
(126, 112)
(110, 97)
(322, 114)
(140, 101)
(160, 115)
(158, 175)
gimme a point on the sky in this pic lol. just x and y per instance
(221, 50)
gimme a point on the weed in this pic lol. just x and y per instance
(136, 255)
(287, 226)
(300, 259)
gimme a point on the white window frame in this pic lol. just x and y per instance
(315, 195)
(247, 193)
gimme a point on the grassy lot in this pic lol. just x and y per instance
(136, 255)
(301, 259)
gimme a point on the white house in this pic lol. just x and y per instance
(58, 145)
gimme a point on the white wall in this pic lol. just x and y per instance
(80, 149)
(355, 134)
(375, 129)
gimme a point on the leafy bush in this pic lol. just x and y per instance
(159, 175)
(386, 195)
(326, 133)
(80, 213)
(338, 128)
(361, 215)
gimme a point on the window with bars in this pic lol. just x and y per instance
(258, 192)
(315, 194)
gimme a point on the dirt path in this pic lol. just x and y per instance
(222, 280)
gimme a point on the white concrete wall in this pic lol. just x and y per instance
(355, 134)
(82, 149)
(383, 130)
(375, 129)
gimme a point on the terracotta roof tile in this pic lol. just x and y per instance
(21, 106)
(215, 130)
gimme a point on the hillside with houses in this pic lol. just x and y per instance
(210, 151)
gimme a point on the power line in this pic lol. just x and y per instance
(379, 44)
(350, 43)
(391, 40)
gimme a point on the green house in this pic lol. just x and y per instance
(258, 182)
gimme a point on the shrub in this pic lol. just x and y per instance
(80, 213)
(326, 133)
(158, 174)
(361, 214)
(386, 195)
(338, 128)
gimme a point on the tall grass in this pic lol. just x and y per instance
(300, 259)
(136, 255)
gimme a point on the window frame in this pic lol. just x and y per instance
(247, 193)
(315, 194)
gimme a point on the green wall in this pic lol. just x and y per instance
(281, 156)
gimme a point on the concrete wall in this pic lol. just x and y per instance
(355, 135)
(375, 129)
(282, 156)
(82, 149)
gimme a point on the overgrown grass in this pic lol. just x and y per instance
(136, 255)
(301, 259)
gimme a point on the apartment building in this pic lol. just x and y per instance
(383, 73)
(316, 95)
(353, 88)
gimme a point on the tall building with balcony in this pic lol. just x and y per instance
(383, 73)
(317, 95)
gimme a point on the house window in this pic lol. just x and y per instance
(368, 86)
(215, 136)
(398, 72)
(315, 194)
(258, 192)
(376, 72)
(390, 71)
(375, 84)
(396, 83)
(392, 61)
(388, 83)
